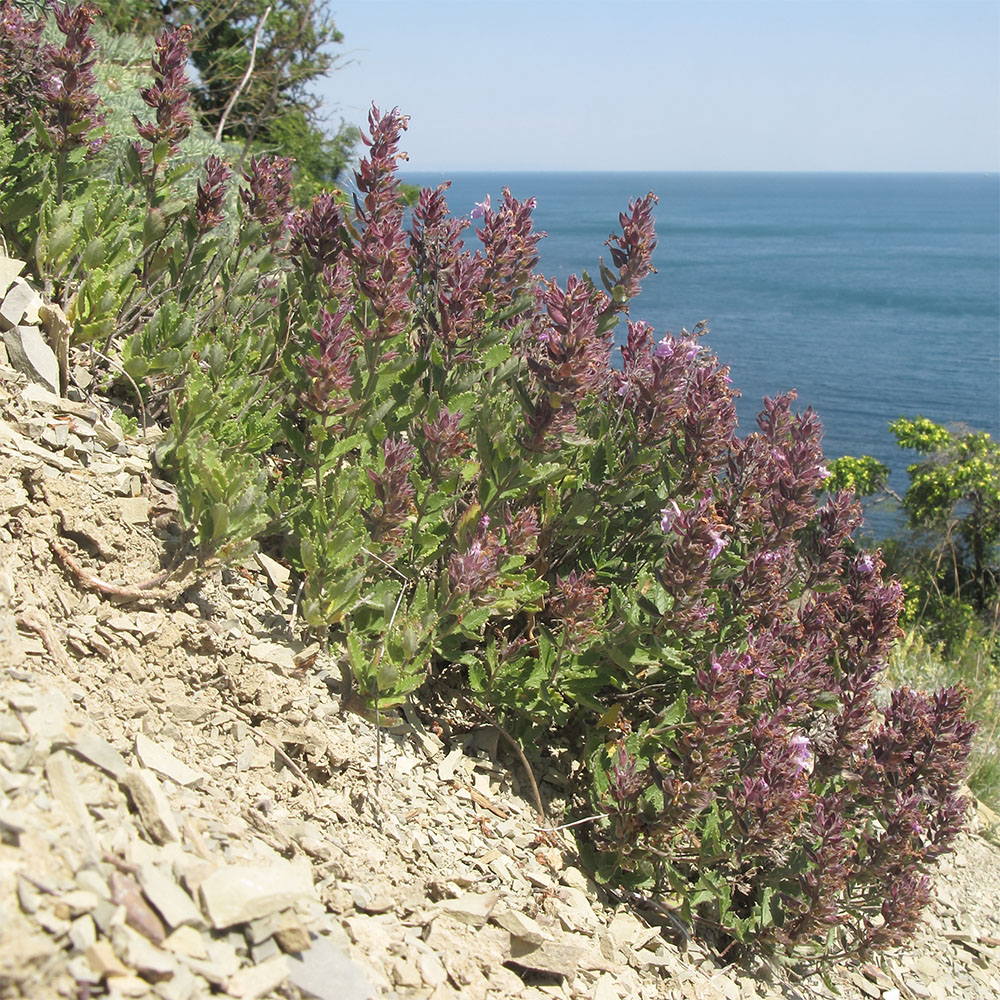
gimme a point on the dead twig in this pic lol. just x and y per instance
(119, 863)
(38, 622)
(246, 76)
(276, 746)
(138, 592)
(539, 808)
(482, 800)
(292, 766)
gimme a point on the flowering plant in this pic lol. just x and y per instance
(476, 494)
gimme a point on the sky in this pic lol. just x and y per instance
(798, 85)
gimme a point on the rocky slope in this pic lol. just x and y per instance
(186, 812)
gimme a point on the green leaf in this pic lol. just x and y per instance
(496, 355)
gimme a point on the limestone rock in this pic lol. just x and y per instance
(324, 972)
(520, 926)
(258, 980)
(154, 809)
(29, 354)
(471, 908)
(555, 957)
(168, 898)
(100, 753)
(10, 270)
(21, 302)
(165, 764)
(239, 893)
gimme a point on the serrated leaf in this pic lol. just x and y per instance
(496, 355)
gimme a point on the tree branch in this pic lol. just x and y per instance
(246, 76)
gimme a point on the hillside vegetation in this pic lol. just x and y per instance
(477, 503)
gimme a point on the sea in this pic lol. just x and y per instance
(875, 296)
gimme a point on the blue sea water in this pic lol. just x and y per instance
(874, 295)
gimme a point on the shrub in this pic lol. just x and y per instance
(474, 496)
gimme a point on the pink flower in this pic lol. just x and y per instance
(718, 544)
(669, 346)
(801, 752)
(667, 516)
(480, 209)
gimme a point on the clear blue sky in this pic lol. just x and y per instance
(664, 85)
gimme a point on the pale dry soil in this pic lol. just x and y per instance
(187, 812)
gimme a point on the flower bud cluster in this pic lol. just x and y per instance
(168, 94)
(393, 492)
(267, 196)
(73, 110)
(22, 66)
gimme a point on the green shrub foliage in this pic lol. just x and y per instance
(476, 497)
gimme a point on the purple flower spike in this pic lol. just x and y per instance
(211, 194)
(168, 95)
(73, 104)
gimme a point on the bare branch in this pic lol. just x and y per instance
(246, 76)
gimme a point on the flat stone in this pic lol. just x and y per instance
(471, 908)
(55, 437)
(28, 897)
(80, 969)
(237, 894)
(866, 987)
(152, 805)
(100, 753)
(148, 624)
(448, 767)
(82, 932)
(28, 353)
(624, 929)
(165, 764)
(276, 573)
(139, 915)
(292, 937)
(48, 721)
(324, 972)
(79, 901)
(147, 959)
(11, 730)
(168, 898)
(273, 653)
(927, 967)
(104, 961)
(10, 436)
(258, 980)
(12, 822)
(65, 787)
(10, 269)
(134, 510)
(186, 941)
(520, 926)
(553, 956)
(120, 623)
(371, 900)
(109, 434)
(575, 911)
(127, 986)
(182, 986)
(20, 300)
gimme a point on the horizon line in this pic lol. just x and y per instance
(675, 170)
